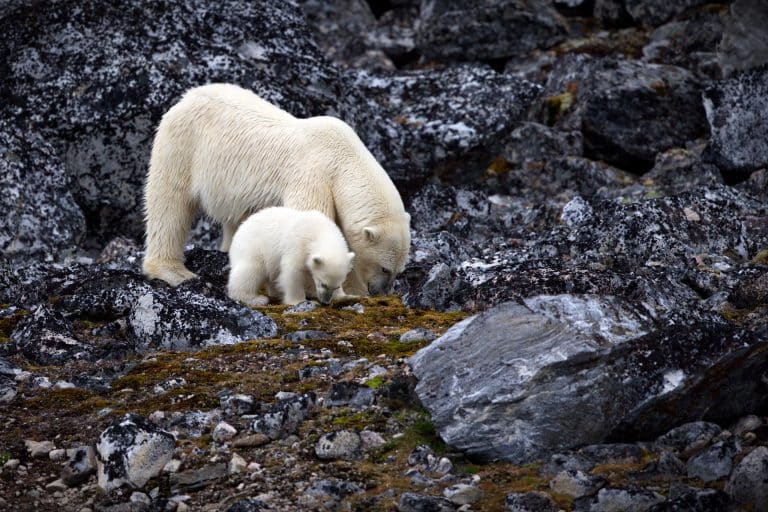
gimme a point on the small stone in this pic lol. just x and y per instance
(669, 464)
(285, 395)
(302, 307)
(157, 416)
(38, 449)
(299, 336)
(132, 450)
(529, 502)
(356, 307)
(715, 462)
(237, 404)
(57, 454)
(624, 500)
(343, 444)
(237, 464)
(746, 424)
(251, 441)
(12, 463)
(80, 466)
(348, 393)
(194, 479)
(169, 384)
(371, 440)
(173, 466)
(41, 382)
(8, 390)
(565, 461)
(140, 497)
(63, 385)
(690, 437)
(576, 483)
(463, 494)
(613, 453)
(747, 484)
(411, 502)
(223, 432)
(418, 334)
(56, 486)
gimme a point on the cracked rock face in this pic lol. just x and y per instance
(132, 451)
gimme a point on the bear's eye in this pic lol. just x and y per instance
(385, 271)
(323, 286)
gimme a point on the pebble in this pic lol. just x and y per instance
(57, 454)
(418, 334)
(251, 441)
(356, 307)
(38, 449)
(223, 432)
(576, 483)
(371, 440)
(237, 464)
(56, 485)
(172, 466)
(306, 306)
(343, 444)
(463, 494)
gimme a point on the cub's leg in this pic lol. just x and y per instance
(245, 281)
(291, 281)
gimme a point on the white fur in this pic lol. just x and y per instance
(227, 151)
(293, 253)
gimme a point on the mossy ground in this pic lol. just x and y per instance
(261, 368)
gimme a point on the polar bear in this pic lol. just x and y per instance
(228, 152)
(296, 254)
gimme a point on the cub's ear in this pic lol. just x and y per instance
(371, 234)
(351, 256)
(317, 261)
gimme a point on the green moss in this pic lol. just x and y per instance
(67, 402)
(5, 457)
(376, 382)
(761, 258)
(356, 421)
(8, 323)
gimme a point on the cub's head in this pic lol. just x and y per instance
(382, 254)
(329, 272)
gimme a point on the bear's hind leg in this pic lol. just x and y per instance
(244, 284)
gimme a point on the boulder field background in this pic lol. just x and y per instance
(583, 324)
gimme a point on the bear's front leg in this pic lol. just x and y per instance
(291, 282)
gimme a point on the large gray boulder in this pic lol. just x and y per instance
(522, 382)
(737, 111)
(627, 111)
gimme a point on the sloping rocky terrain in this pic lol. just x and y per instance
(583, 324)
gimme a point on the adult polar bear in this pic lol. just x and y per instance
(225, 150)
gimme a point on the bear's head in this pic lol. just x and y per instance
(329, 270)
(382, 252)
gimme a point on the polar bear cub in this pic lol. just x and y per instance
(293, 253)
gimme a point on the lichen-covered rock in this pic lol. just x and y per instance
(285, 417)
(570, 380)
(689, 437)
(412, 502)
(715, 462)
(576, 484)
(350, 394)
(46, 337)
(695, 500)
(343, 444)
(131, 451)
(529, 502)
(450, 121)
(654, 12)
(486, 29)
(747, 484)
(626, 500)
(627, 111)
(744, 44)
(80, 466)
(737, 111)
(97, 99)
(182, 320)
(40, 217)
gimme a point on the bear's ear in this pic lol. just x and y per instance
(371, 234)
(317, 261)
